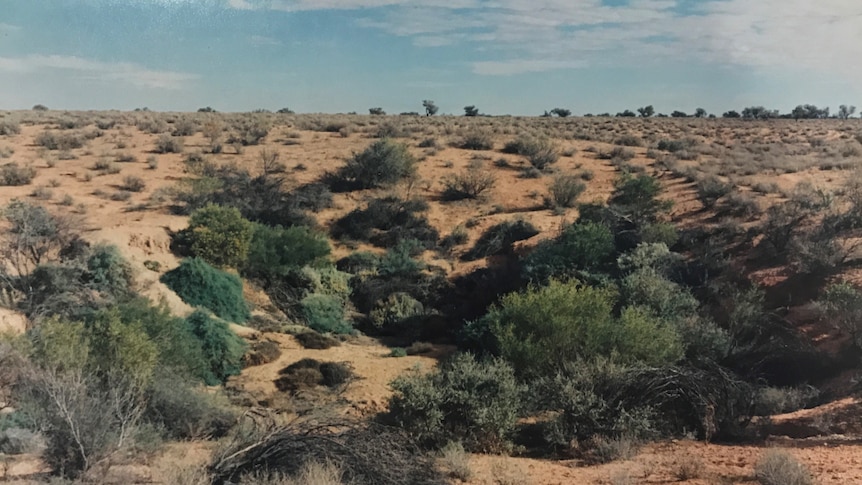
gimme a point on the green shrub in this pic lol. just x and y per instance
(383, 163)
(539, 329)
(275, 250)
(710, 189)
(325, 314)
(770, 401)
(199, 284)
(474, 402)
(399, 261)
(13, 175)
(219, 235)
(179, 349)
(394, 309)
(665, 299)
(841, 303)
(582, 247)
(637, 196)
(499, 239)
(222, 348)
(659, 232)
(108, 272)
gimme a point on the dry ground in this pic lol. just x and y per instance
(763, 160)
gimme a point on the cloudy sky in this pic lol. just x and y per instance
(504, 56)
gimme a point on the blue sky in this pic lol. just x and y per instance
(504, 56)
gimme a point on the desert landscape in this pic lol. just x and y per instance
(281, 298)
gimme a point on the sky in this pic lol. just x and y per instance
(518, 57)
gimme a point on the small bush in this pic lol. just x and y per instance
(710, 189)
(274, 251)
(169, 144)
(186, 411)
(262, 352)
(383, 163)
(676, 145)
(325, 314)
(777, 467)
(199, 284)
(358, 262)
(132, 183)
(468, 400)
(499, 239)
(477, 140)
(689, 468)
(629, 141)
(59, 141)
(13, 175)
(582, 247)
(564, 191)
(456, 461)
(222, 348)
(308, 373)
(9, 127)
(841, 303)
(219, 235)
(396, 308)
(316, 341)
(469, 184)
(386, 222)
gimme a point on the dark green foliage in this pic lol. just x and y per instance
(308, 373)
(499, 238)
(383, 163)
(386, 222)
(219, 235)
(222, 348)
(637, 196)
(358, 262)
(325, 314)
(393, 310)
(471, 401)
(108, 272)
(399, 261)
(275, 250)
(582, 247)
(667, 300)
(179, 348)
(199, 284)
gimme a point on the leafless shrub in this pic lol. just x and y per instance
(777, 467)
(469, 184)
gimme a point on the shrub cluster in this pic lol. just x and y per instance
(199, 284)
(383, 163)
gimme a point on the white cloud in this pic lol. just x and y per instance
(8, 28)
(556, 34)
(124, 72)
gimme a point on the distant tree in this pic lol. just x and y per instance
(409, 113)
(376, 111)
(206, 110)
(626, 114)
(430, 108)
(646, 111)
(679, 114)
(700, 113)
(731, 114)
(471, 111)
(285, 111)
(661, 115)
(604, 115)
(809, 112)
(561, 112)
(40, 107)
(845, 111)
(759, 113)
(546, 114)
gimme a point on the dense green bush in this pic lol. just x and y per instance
(275, 250)
(664, 298)
(471, 401)
(383, 163)
(538, 330)
(638, 197)
(398, 261)
(199, 284)
(499, 238)
(219, 235)
(325, 314)
(108, 272)
(221, 347)
(394, 309)
(841, 303)
(581, 247)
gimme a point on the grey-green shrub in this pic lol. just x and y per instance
(199, 284)
(325, 314)
(383, 163)
(475, 402)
